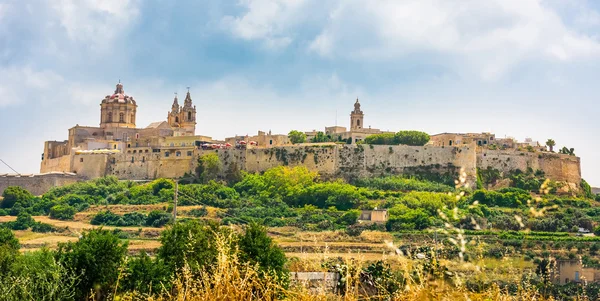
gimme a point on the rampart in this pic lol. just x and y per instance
(558, 167)
(330, 160)
(38, 184)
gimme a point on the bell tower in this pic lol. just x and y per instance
(188, 115)
(356, 117)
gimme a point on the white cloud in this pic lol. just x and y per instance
(267, 20)
(489, 37)
(96, 23)
(16, 84)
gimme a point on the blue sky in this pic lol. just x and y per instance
(521, 68)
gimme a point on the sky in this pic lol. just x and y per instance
(518, 68)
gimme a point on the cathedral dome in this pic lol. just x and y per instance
(119, 96)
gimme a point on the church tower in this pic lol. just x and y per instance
(183, 118)
(118, 110)
(173, 115)
(356, 117)
(188, 115)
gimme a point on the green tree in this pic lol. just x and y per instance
(62, 212)
(145, 275)
(297, 137)
(13, 195)
(191, 243)
(209, 167)
(258, 248)
(551, 143)
(321, 137)
(382, 139)
(9, 250)
(415, 138)
(96, 257)
(24, 221)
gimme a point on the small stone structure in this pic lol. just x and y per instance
(316, 282)
(374, 216)
(37, 184)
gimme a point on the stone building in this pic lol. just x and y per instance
(357, 130)
(118, 132)
(572, 270)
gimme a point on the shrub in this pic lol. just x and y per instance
(62, 212)
(415, 138)
(157, 218)
(145, 275)
(39, 227)
(24, 221)
(13, 195)
(189, 242)
(257, 247)
(198, 212)
(96, 256)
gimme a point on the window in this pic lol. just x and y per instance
(358, 122)
(271, 142)
(80, 159)
(145, 151)
(132, 159)
(109, 117)
(166, 154)
(121, 117)
(189, 153)
(143, 159)
(132, 118)
(134, 151)
(189, 116)
(172, 144)
(178, 154)
(115, 146)
(576, 275)
(450, 143)
(156, 150)
(114, 160)
(484, 142)
(176, 119)
(128, 145)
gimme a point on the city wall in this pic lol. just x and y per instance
(330, 160)
(558, 167)
(37, 184)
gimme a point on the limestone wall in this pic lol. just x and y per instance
(37, 184)
(330, 160)
(557, 167)
(60, 164)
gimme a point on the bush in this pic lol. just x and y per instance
(198, 212)
(257, 247)
(145, 275)
(400, 183)
(96, 256)
(14, 195)
(158, 218)
(191, 243)
(62, 212)
(415, 138)
(39, 227)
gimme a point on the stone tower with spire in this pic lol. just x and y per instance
(183, 117)
(118, 110)
(356, 117)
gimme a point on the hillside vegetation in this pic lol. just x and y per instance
(219, 245)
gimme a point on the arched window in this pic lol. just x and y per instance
(189, 116)
(178, 154)
(109, 117)
(176, 119)
(358, 122)
(121, 117)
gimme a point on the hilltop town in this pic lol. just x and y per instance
(170, 149)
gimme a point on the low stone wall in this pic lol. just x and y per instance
(316, 282)
(38, 184)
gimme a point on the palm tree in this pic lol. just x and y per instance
(550, 143)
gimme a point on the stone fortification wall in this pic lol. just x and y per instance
(60, 164)
(369, 160)
(352, 160)
(557, 167)
(37, 184)
(330, 160)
